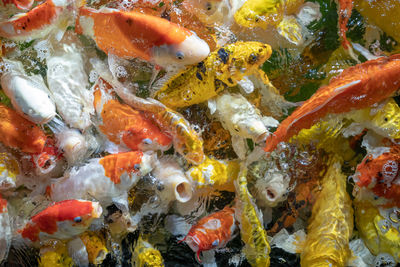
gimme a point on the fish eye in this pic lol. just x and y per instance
(208, 6)
(147, 141)
(136, 167)
(253, 58)
(78, 219)
(180, 55)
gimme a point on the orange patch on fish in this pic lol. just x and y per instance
(37, 18)
(381, 174)
(212, 231)
(46, 220)
(18, 132)
(129, 34)
(345, 9)
(355, 88)
(116, 164)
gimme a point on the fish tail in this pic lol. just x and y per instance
(198, 256)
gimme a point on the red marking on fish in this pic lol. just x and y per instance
(357, 87)
(46, 220)
(212, 231)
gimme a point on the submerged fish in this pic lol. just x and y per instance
(345, 9)
(221, 69)
(212, 231)
(144, 254)
(355, 88)
(124, 125)
(133, 34)
(5, 230)
(95, 245)
(61, 220)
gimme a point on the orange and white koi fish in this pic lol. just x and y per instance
(355, 88)
(381, 175)
(62, 220)
(46, 160)
(133, 34)
(5, 230)
(124, 125)
(18, 132)
(212, 231)
(345, 9)
(106, 179)
(36, 23)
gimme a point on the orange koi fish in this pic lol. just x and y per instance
(357, 87)
(46, 160)
(133, 34)
(36, 23)
(345, 9)
(212, 231)
(105, 179)
(18, 132)
(123, 124)
(62, 220)
(381, 174)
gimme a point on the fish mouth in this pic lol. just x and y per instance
(97, 210)
(183, 191)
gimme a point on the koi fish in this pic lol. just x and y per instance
(61, 220)
(345, 9)
(186, 140)
(221, 69)
(106, 179)
(378, 228)
(331, 222)
(5, 229)
(381, 175)
(252, 232)
(218, 174)
(144, 254)
(355, 88)
(68, 82)
(123, 124)
(95, 245)
(133, 34)
(18, 132)
(208, 11)
(30, 97)
(46, 160)
(212, 231)
(36, 23)
(55, 255)
(9, 170)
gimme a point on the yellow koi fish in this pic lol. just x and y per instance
(221, 69)
(331, 222)
(144, 254)
(252, 232)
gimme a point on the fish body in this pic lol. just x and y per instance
(345, 9)
(5, 229)
(331, 223)
(68, 84)
(212, 231)
(381, 175)
(18, 132)
(186, 140)
(252, 232)
(144, 254)
(123, 124)
(95, 245)
(221, 69)
(355, 88)
(208, 11)
(61, 220)
(104, 178)
(36, 23)
(29, 97)
(133, 34)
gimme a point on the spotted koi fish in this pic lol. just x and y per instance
(212, 231)
(61, 220)
(252, 232)
(124, 125)
(36, 23)
(133, 34)
(221, 69)
(381, 175)
(104, 179)
(355, 88)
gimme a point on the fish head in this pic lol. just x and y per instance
(208, 11)
(190, 51)
(252, 128)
